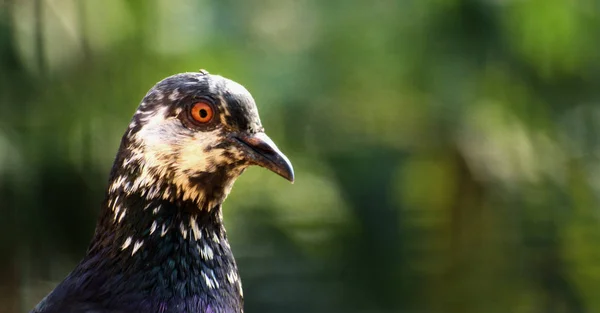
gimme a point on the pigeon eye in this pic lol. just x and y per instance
(202, 112)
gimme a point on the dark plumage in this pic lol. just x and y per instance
(160, 244)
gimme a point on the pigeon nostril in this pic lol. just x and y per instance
(257, 145)
(264, 148)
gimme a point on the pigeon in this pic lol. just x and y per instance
(160, 244)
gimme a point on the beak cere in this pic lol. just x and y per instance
(263, 152)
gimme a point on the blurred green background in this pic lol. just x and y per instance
(446, 151)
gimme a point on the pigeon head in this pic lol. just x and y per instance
(190, 138)
(160, 244)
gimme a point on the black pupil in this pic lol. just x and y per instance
(203, 113)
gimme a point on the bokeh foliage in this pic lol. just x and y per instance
(446, 150)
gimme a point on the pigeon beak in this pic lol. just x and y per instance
(263, 152)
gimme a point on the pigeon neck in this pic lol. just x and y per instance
(130, 221)
(168, 250)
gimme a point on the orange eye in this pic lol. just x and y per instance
(202, 112)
